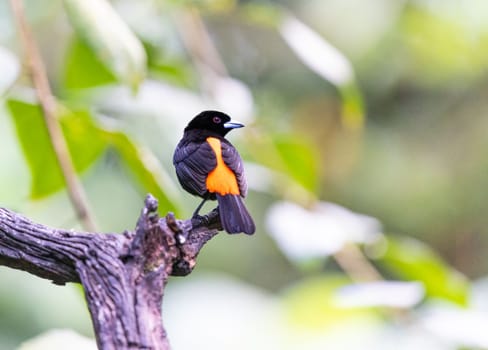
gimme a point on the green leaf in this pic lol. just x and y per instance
(83, 139)
(162, 66)
(300, 159)
(34, 140)
(83, 69)
(415, 261)
(146, 170)
(110, 38)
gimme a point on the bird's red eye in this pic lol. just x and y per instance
(216, 120)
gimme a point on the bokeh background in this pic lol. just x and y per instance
(365, 149)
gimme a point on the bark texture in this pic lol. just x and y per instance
(123, 275)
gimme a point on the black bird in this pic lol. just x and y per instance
(207, 165)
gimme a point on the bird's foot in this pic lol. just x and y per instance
(199, 220)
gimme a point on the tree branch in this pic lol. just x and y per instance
(49, 108)
(123, 275)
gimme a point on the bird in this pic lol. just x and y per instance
(208, 165)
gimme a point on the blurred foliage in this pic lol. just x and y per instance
(110, 38)
(311, 304)
(377, 106)
(93, 73)
(412, 260)
(34, 138)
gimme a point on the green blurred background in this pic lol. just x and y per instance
(376, 106)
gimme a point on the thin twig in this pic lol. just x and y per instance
(201, 48)
(198, 41)
(48, 104)
(352, 260)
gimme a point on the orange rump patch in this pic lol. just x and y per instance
(222, 179)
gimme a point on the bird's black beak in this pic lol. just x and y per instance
(233, 125)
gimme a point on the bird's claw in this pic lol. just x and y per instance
(199, 220)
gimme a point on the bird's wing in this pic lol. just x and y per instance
(233, 160)
(193, 161)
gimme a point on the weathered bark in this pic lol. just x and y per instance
(123, 275)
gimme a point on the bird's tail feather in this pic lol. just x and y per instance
(234, 215)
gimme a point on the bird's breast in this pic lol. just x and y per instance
(221, 179)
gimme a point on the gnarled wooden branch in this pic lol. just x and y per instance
(123, 275)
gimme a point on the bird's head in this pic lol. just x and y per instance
(215, 121)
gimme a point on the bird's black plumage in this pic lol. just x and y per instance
(207, 165)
